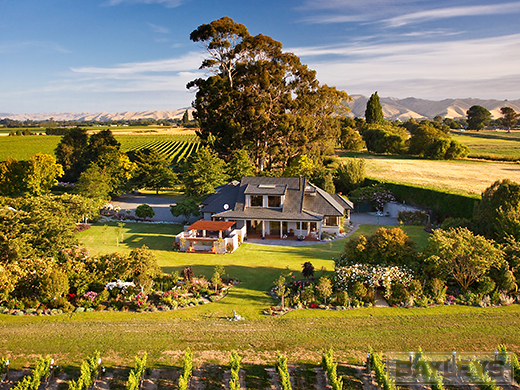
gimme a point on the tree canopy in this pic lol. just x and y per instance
(374, 111)
(478, 117)
(41, 173)
(38, 226)
(261, 98)
(387, 247)
(202, 172)
(153, 170)
(461, 255)
(185, 208)
(240, 165)
(497, 209)
(510, 117)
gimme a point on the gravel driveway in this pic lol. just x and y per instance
(160, 205)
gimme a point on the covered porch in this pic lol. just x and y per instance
(284, 230)
(208, 236)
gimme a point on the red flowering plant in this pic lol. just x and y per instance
(139, 302)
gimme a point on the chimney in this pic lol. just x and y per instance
(301, 183)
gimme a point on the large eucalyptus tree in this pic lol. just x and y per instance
(262, 99)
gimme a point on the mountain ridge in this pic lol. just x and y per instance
(99, 116)
(393, 108)
(404, 109)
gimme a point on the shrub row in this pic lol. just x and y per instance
(234, 382)
(330, 367)
(376, 362)
(136, 376)
(442, 203)
(187, 370)
(483, 379)
(437, 382)
(283, 373)
(514, 363)
(33, 381)
(413, 217)
(89, 372)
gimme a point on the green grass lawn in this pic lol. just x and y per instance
(302, 334)
(256, 266)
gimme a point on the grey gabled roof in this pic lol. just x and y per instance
(343, 201)
(322, 202)
(265, 189)
(303, 200)
(226, 194)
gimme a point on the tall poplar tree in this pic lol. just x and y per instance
(374, 111)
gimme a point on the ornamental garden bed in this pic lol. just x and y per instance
(77, 282)
(357, 286)
(123, 296)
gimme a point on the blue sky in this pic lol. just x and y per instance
(133, 55)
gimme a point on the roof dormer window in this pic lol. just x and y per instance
(257, 201)
(274, 201)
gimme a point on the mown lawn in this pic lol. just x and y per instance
(256, 266)
(302, 335)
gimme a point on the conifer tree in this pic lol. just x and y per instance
(374, 111)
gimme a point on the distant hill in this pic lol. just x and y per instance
(404, 109)
(99, 116)
(393, 108)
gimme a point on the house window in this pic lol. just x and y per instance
(257, 201)
(274, 201)
(331, 221)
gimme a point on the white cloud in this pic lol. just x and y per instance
(159, 29)
(452, 12)
(434, 67)
(20, 46)
(190, 61)
(347, 11)
(351, 4)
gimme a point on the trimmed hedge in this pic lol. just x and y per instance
(443, 204)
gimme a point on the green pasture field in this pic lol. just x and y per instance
(23, 147)
(302, 334)
(490, 144)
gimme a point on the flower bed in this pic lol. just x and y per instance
(305, 294)
(123, 296)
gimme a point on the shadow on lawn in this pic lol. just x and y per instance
(251, 278)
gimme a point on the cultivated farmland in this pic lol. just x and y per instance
(175, 146)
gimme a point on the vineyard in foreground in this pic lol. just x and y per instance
(235, 375)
